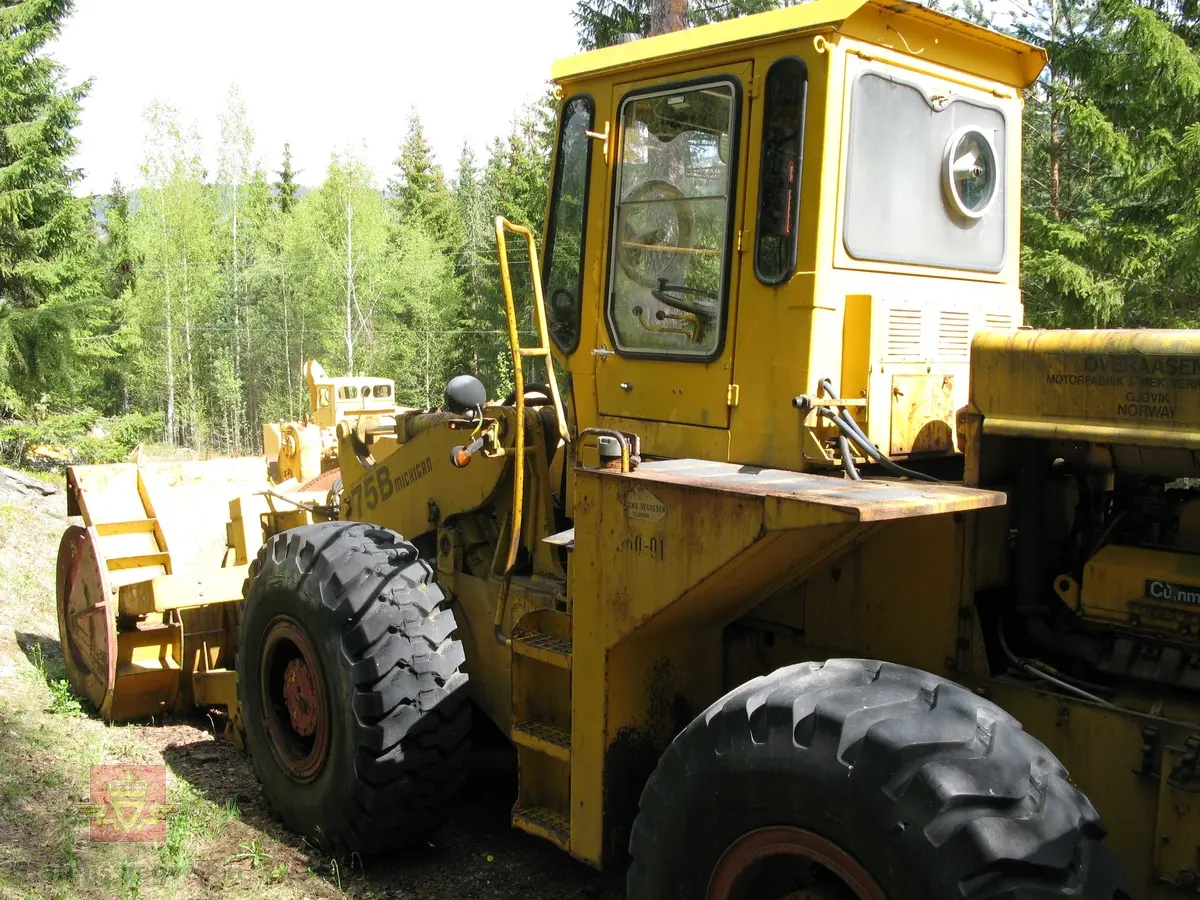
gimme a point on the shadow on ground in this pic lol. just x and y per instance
(42, 652)
(477, 854)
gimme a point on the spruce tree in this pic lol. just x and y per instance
(1112, 165)
(286, 189)
(116, 253)
(46, 241)
(420, 191)
(600, 23)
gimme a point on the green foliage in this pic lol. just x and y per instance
(63, 701)
(83, 437)
(421, 193)
(286, 188)
(47, 263)
(129, 877)
(187, 308)
(191, 816)
(1111, 177)
(600, 23)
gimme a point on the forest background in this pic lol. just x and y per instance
(181, 309)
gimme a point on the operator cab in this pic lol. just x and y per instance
(833, 197)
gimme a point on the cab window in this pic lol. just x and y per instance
(563, 278)
(671, 220)
(779, 182)
(925, 176)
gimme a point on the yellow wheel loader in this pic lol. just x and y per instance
(803, 570)
(305, 450)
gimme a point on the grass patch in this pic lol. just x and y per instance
(193, 816)
(63, 701)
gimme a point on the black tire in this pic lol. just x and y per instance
(933, 791)
(398, 722)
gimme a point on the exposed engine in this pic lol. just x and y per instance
(1122, 555)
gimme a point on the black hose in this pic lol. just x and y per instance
(847, 459)
(850, 428)
(1028, 669)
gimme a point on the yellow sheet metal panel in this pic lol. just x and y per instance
(1134, 387)
(800, 500)
(408, 486)
(667, 555)
(106, 493)
(1102, 750)
(215, 688)
(1154, 589)
(180, 591)
(693, 41)
(1177, 830)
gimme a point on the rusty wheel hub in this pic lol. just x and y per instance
(787, 863)
(295, 703)
(300, 693)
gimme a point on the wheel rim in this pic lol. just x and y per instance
(787, 863)
(295, 703)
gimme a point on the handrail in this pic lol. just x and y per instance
(519, 354)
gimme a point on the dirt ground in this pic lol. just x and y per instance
(219, 839)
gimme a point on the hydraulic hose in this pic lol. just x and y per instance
(851, 430)
(1029, 669)
(847, 460)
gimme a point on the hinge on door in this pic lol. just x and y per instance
(739, 241)
(733, 395)
(755, 86)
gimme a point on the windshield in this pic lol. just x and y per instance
(671, 223)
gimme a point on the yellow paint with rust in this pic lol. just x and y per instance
(1109, 387)
(833, 317)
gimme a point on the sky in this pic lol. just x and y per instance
(322, 77)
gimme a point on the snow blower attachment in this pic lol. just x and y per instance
(148, 585)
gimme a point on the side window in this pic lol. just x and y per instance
(563, 278)
(779, 187)
(671, 225)
(925, 176)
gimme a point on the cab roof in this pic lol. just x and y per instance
(857, 18)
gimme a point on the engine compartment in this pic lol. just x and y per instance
(1119, 577)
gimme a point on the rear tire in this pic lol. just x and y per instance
(860, 779)
(352, 695)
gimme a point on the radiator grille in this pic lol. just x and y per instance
(904, 333)
(997, 322)
(954, 334)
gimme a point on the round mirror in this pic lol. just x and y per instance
(969, 172)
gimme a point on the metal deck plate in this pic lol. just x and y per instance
(827, 498)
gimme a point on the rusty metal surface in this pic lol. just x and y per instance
(86, 621)
(862, 501)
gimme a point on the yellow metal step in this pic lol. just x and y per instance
(543, 737)
(135, 526)
(544, 823)
(139, 561)
(555, 651)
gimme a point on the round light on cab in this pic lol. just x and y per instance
(969, 172)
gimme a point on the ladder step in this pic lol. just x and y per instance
(535, 351)
(543, 737)
(139, 561)
(545, 648)
(136, 526)
(545, 823)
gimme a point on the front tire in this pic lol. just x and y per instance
(352, 695)
(860, 780)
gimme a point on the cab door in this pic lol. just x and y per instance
(674, 224)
